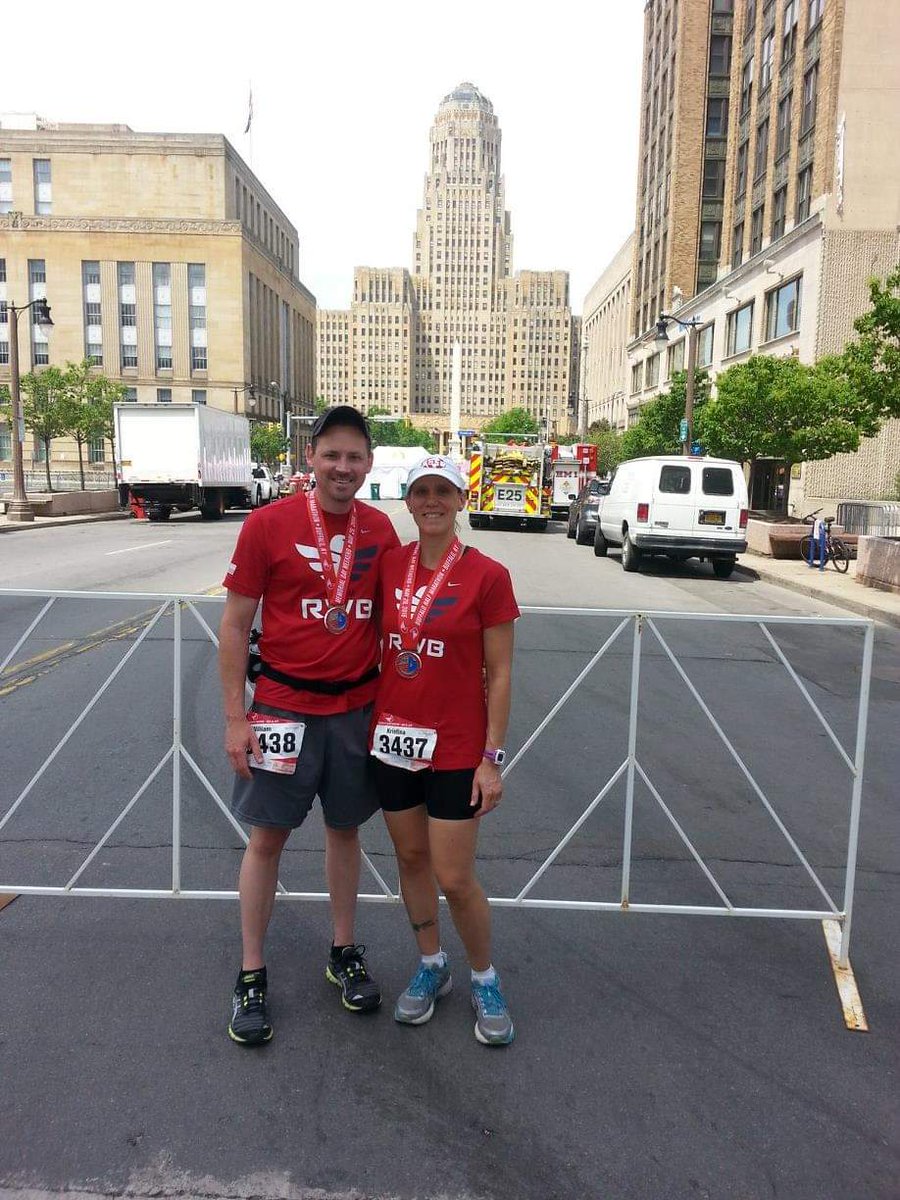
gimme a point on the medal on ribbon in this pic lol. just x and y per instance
(337, 584)
(408, 662)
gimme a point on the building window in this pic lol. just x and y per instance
(4, 321)
(127, 314)
(751, 19)
(737, 245)
(37, 290)
(93, 329)
(747, 85)
(676, 357)
(767, 56)
(651, 371)
(97, 450)
(814, 12)
(163, 395)
(723, 6)
(740, 183)
(789, 30)
(197, 298)
(5, 443)
(779, 211)
(129, 396)
(783, 310)
(804, 193)
(198, 395)
(740, 329)
(783, 139)
(6, 185)
(810, 99)
(43, 187)
(719, 55)
(714, 178)
(762, 149)
(162, 316)
(717, 117)
(635, 378)
(756, 229)
(705, 345)
(710, 240)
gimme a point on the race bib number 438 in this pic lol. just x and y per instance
(400, 743)
(279, 740)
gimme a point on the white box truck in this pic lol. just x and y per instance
(184, 456)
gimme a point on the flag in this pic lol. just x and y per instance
(249, 112)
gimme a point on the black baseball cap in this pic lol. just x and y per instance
(342, 414)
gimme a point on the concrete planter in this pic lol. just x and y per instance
(71, 504)
(878, 563)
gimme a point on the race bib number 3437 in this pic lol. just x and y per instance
(400, 743)
(280, 741)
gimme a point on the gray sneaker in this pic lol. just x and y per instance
(493, 1024)
(416, 1005)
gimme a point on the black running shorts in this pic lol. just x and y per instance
(334, 764)
(445, 794)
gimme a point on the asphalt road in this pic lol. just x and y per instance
(656, 1055)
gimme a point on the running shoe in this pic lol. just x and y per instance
(493, 1024)
(250, 1025)
(359, 991)
(416, 1005)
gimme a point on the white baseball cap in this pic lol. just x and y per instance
(437, 464)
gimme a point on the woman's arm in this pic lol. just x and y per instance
(487, 785)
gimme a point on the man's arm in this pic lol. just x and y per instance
(234, 638)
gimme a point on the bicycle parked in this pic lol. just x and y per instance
(836, 550)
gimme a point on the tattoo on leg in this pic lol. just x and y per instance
(423, 924)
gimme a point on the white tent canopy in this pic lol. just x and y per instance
(389, 470)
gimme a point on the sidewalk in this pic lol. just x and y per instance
(827, 585)
(7, 526)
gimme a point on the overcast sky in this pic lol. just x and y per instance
(344, 96)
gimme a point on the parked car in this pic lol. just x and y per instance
(583, 511)
(676, 506)
(265, 487)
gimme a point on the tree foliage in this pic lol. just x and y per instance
(399, 432)
(870, 364)
(515, 420)
(42, 397)
(267, 442)
(87, 406)
(658, 426)
(609, 446)
(778, 408)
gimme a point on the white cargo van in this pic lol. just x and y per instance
(678, 507)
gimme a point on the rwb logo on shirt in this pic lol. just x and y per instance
(440, 604)
(362, 562)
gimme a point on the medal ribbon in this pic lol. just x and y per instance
(336, 587)
(409, 629)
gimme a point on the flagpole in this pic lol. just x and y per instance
(249, 127)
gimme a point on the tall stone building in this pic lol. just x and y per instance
(768, 194)
(164, 260)
(394, 347)
(605, 333)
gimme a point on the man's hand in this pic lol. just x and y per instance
(487, 787)
(240, 740)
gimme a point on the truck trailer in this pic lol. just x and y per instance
(510, 482)
(178, 457)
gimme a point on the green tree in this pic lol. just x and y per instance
(106, 394)
(43, 409)
(870, 364)
(85, 406)
(514, 421)
(267, 442)
(397, 433)
(779, 408)
(658, 426)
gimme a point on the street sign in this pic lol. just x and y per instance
(683, 430)
(466, 433)
(696, 448)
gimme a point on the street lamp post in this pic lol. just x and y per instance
(582, 403)
(19, 508)
(251, 394)
(693, 336)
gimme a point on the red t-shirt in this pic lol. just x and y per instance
(448, 693)
(276, 558)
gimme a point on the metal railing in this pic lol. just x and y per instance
(878, 519)
(642, 626)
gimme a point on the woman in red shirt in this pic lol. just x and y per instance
(440, 722)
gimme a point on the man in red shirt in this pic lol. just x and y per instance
(313, 561)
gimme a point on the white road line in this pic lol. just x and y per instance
(143, 546)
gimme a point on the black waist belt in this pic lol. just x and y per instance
(335, 687)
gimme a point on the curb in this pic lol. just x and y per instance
(55, 522)
(859, 607)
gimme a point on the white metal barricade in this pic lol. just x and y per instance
(641, 625)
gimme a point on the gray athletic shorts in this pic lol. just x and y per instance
(334, 764)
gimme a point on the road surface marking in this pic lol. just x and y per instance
(143, 546)
(848, 992)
